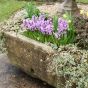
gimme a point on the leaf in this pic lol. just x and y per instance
(32, 10)
(55, 23)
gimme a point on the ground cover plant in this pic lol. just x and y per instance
(73, 70)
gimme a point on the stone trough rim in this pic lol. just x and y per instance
(45, 47)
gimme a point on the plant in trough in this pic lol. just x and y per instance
(58, 31)
(32, 10)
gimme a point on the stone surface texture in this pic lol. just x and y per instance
(40, 60)
(68, 6)
(31, 56)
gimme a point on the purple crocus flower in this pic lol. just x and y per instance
(49, 29)
(39, 23)
(25, 23)
(42, 17)
(62, 26)
(30, 24)
(34, 18)
(46, 27)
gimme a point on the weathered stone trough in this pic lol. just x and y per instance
(31, 56)
(38, 59)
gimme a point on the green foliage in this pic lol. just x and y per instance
(70, 36)
(32, 10)
(55, 23)
(36, 35)
(74, 70)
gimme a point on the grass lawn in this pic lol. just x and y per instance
(7, 7)
(83, 1)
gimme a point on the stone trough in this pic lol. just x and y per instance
(39, 60)
(31, 56)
